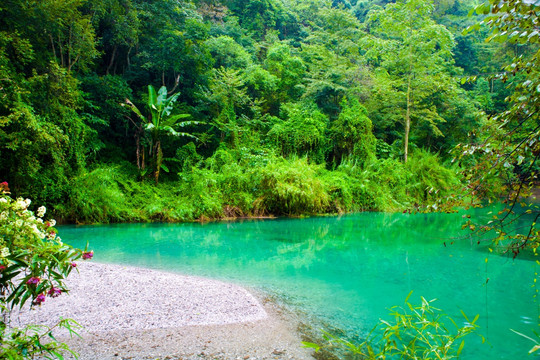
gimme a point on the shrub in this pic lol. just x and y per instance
(33, 266)
(96, 197)
(429, 179)
(293, 188)
(390, 185)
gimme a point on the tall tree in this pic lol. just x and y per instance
(414, 54)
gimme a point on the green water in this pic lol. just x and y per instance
(344, 271)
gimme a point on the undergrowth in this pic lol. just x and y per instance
(247, 183)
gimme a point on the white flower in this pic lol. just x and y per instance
(41, 211)
(5, 252)
(3, 200)
(52, 222)
(40, 221)
(20, 204)
(27, 202)
(19, 223)
(36, 231)
(3, 215)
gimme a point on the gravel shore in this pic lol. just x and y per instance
(136, 313)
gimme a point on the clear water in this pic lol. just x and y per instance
(344, 271)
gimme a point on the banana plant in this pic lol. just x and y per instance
(161, 122)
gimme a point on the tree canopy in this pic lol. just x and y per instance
(354, 88)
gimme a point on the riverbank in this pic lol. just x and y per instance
(136, 313)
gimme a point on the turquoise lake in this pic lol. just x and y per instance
(347, 271)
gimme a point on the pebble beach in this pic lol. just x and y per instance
(136, 313)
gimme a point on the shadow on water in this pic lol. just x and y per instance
(343, 272)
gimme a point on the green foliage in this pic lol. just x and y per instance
(96, 197)
(34, 264)
(347, 193)
(352, 133)
(228, 53)
(228, 98)
(161, 121)
(104, 113)
(415, 332)
(429, 179)
(288, 68)
(303, 131)
(504, 154)
(244, 182)
(390, 185)
(293, 188)
(414, 54)
(274, 80)
(383, 182)
(35, 340)
(42, 137)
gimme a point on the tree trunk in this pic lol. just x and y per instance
(112, 59)
(159, 160)
(138, 142)
(53, 49)
(69, 47)
(61, 51)
(127, 57)
(407, 121)
(73, 63)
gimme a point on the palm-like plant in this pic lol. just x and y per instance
(160, 122)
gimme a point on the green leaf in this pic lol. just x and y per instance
(408, 296)
(310, 345)
(523, 335)
(161, 100)
(152, 96)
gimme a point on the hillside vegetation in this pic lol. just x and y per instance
(168, 110)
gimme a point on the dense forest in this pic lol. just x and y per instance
(169, 110)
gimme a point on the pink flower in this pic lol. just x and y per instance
(74, 265)
(33, 281)
(2, 268)
(54, 292)
(39, 299)
(4, 186)
(88, 255)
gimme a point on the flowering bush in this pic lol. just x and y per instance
(34, 262)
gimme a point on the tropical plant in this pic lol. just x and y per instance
(160, 121)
